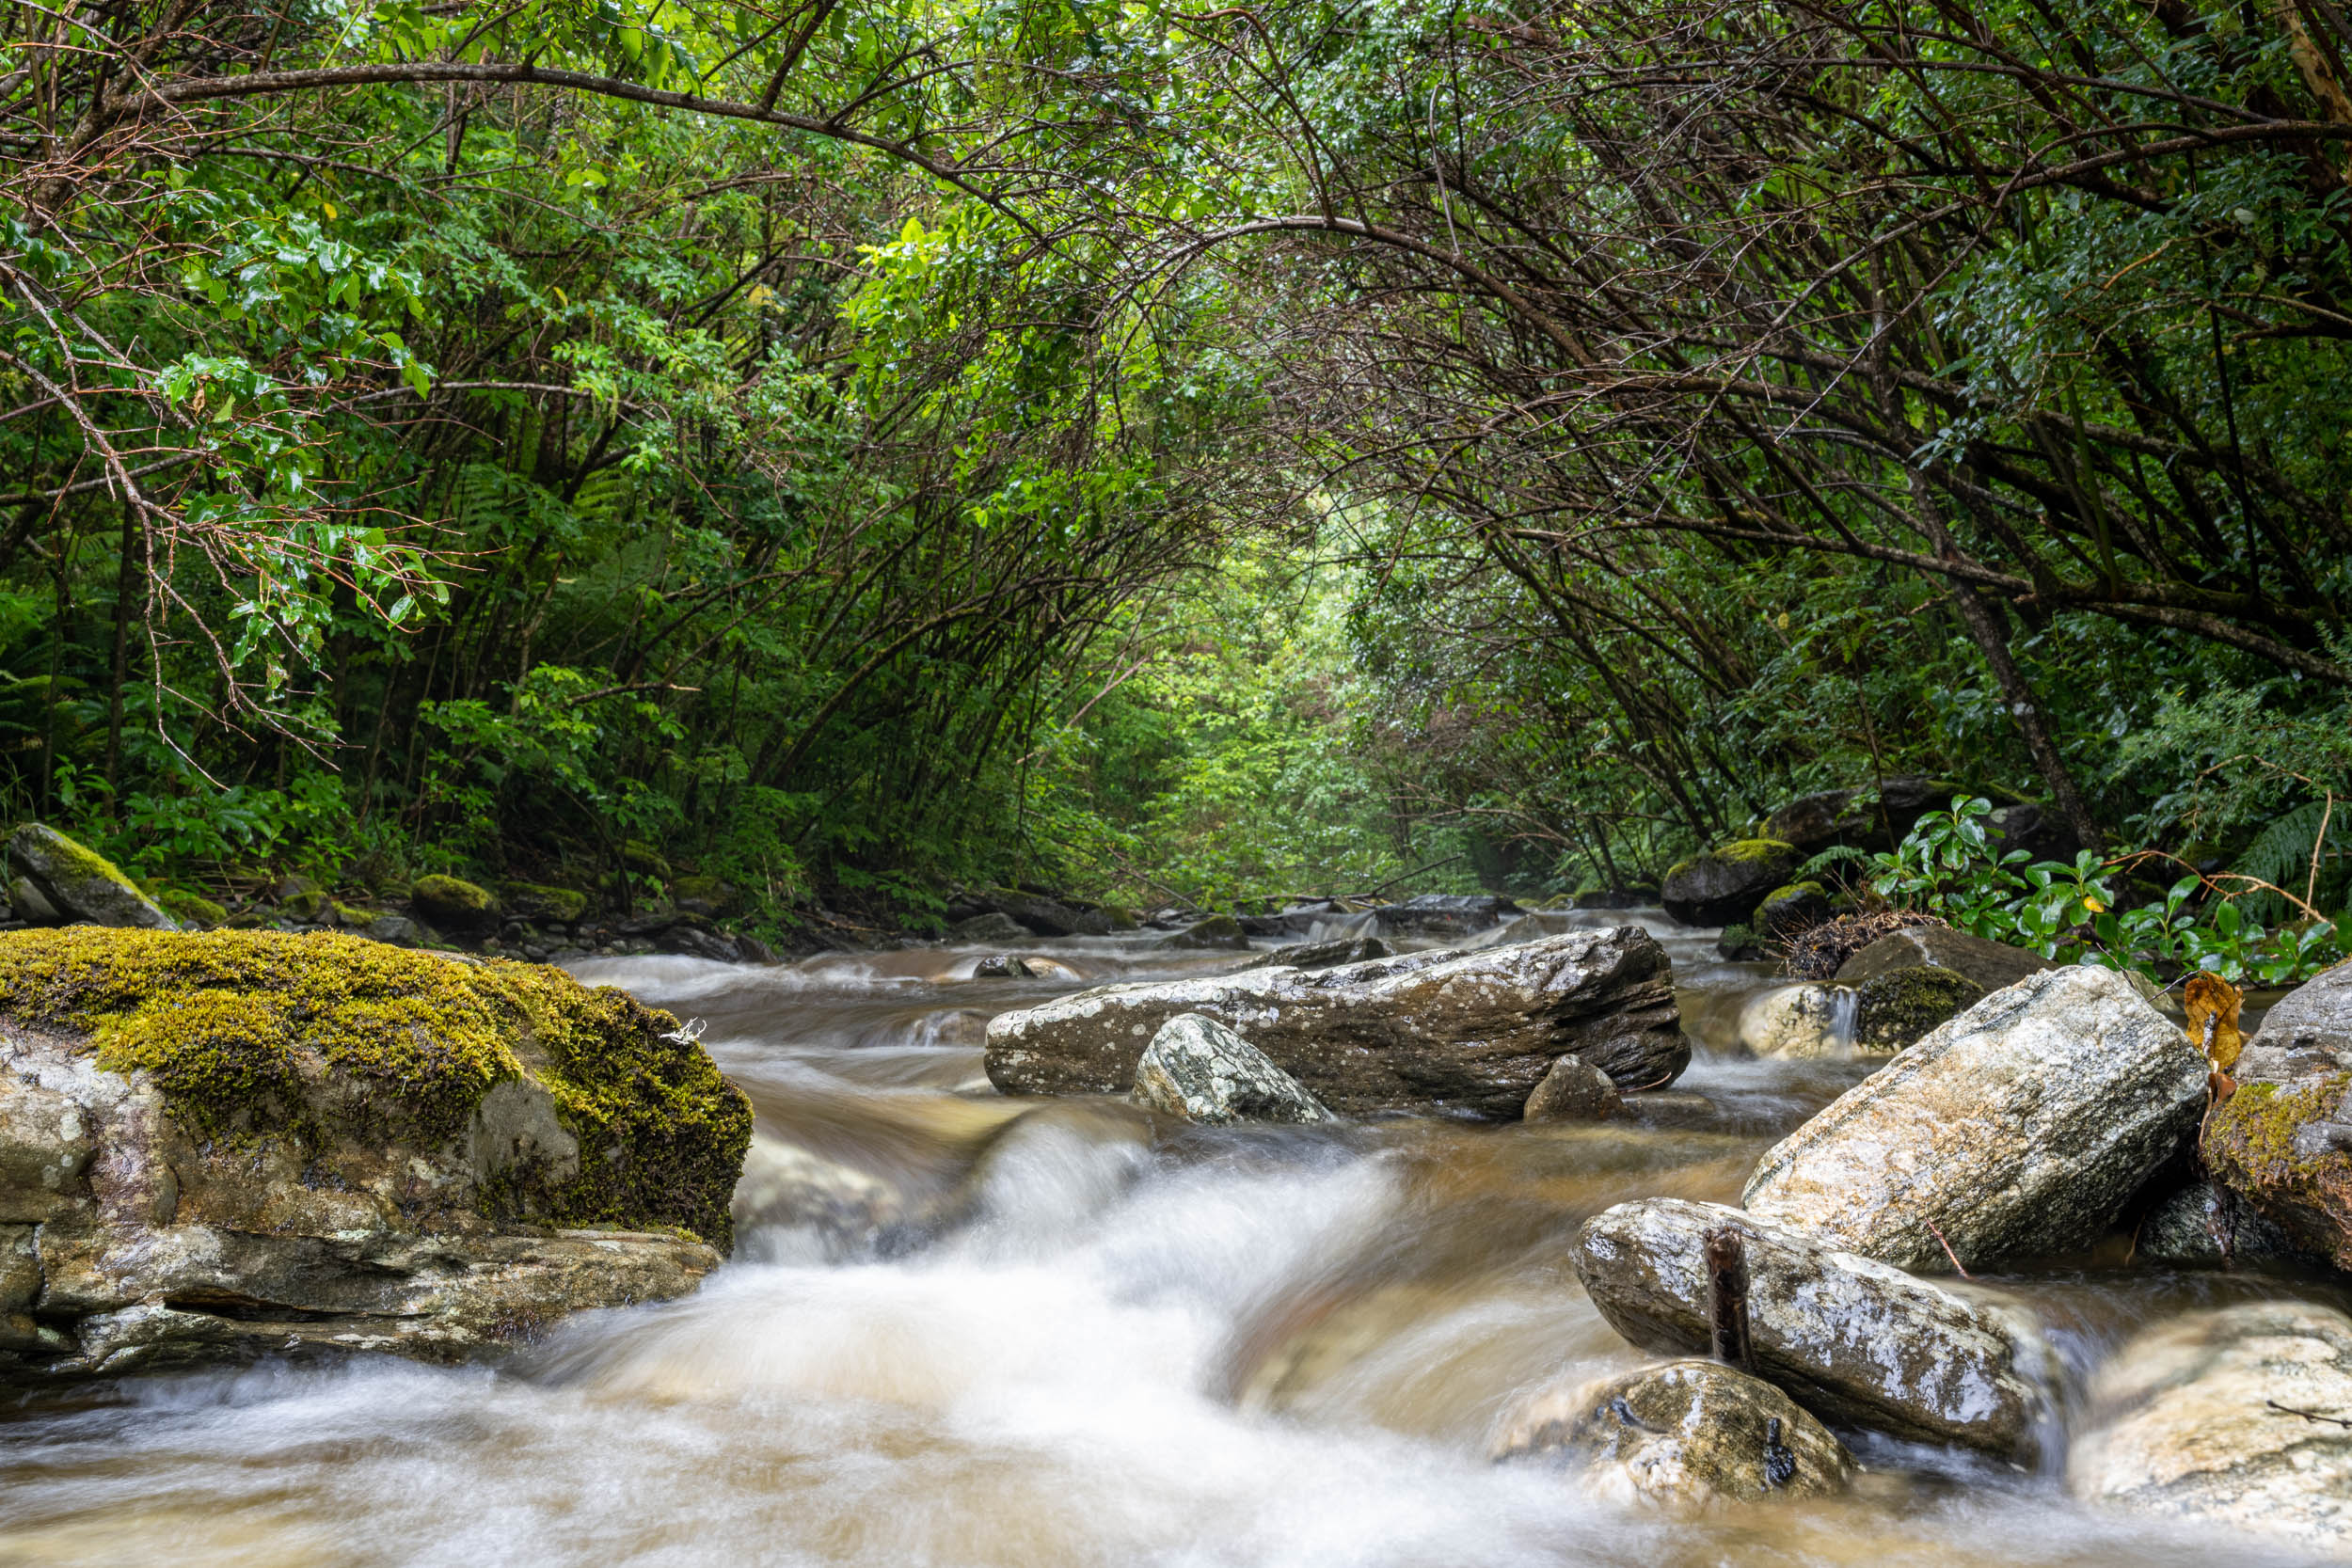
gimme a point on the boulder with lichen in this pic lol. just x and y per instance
(72, 882)
(252, 1140)
(1723, 886)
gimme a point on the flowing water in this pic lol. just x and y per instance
(964, 1330)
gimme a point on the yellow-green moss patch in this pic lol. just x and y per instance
(321, 1036)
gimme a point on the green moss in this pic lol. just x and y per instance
(1794, 890)
(1748, 849)
(642, 857)
(1900, 1007)
(272, 1035)
(538, 902)
(2250, 1137)
(353, 916)
(453, 893)
(307, 905)
(192, 909)
(79, 860)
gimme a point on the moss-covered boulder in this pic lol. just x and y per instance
(193, 911)
(454, 905)
(2284, 1140)
(1723, 886)
(714, 896)
(318, 1140)
(311, 906)
(1898, 1007)
(78, 883)
(1788, 910)
(537, 901)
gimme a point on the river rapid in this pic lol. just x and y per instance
(1271, 1348)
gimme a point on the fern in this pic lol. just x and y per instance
(1837, 854)
(2281, 855)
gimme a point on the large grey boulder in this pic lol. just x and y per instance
(1992, 965)
(2021, 1127)
(1468, 1032)
(242, 1142)
(78, 883)
(1196, 1068)
(2284, 1140)
(1685, 1432)
(1852, 1340)
(2239, 1417)
(1724, 884)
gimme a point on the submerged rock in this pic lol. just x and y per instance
(2284, 1140)
(2022, 1126)
(2240, 1417)
(1216, 931)
(1324, 955)
(1900, 1007)
(1574, 1090)
(1798, 1022)
(246, 1140)
(1446, 914)
(2203, 1224)
(1685, 1432)
(1992, 965)
(1471, 1032)
(1853, 1341)
(1196, 1068)
(1723, 886)
(75, 884)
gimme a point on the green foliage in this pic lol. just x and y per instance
(1948, 866)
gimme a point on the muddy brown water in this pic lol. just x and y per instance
(1275, 1348)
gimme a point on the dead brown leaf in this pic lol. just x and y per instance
(2212, 1004)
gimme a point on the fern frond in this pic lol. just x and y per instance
(1837, 854)
(2282, 853)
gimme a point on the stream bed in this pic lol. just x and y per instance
(1286, 1347)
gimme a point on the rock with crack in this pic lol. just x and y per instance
(1687, 1433)
(2021, 1127)
(2239, 1417)
(1467, 1031)
(242, 1141)
(1853, 1341)
(1196, 1068)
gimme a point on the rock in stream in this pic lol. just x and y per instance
(213, 1145)
(1852, 1340)
(1471, 1032)
(2021, 1127)
(1196, 1068)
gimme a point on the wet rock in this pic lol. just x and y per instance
(1685, 1432)
(76, 883)
(994, 926)
(1899, 1008)
(1798, 1021)
(1814, 822)
(1216, 931)
(1051, 917)
(1786, 910)
(1446, 914)
(1196, 1068)
(1723, 886)
(29, 904)
(1325, 955)
(2021, 1127)
(786, 1186)
(315, 1140)
(2232, 1417)
(399, 930)
(1741, 942)
(1852, 1340)
(712, 896)
(2284, 1140)
(1001, 966)
(454, 905)
(1470, 1032)
(2205, 1225)
(310, 906)
(1992, 965)
(537, 901)
(1574, 1090)
(698, 941)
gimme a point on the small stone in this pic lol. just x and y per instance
(1687, 1433)
(1196, 1068)
(1798, 1021)
(1574, 1090)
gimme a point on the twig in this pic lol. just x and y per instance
(1938, 1232)
(2308, 1415)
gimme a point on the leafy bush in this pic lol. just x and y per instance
(1949, 866)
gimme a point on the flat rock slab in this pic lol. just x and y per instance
(2019, 1128)
(1465, 1032)
(2232, 1417)
(1685, 1432)
(1852, 1340)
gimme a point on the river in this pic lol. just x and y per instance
(1271, 1348)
